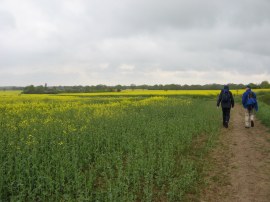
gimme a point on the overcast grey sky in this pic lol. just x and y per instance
(88, 42)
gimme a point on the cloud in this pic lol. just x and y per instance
(123, 42)
(127, 67)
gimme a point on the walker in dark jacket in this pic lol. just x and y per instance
(226, 105)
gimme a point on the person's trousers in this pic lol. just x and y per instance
(226, 115)
(249, 116)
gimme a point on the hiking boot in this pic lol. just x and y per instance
(226, 125)
(252, 123)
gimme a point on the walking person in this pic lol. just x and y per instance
(249, 101)
(227, 102)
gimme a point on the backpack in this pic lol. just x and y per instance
(225, 97)
(251, 100)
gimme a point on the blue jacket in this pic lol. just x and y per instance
(245, 99)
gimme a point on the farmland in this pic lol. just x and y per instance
(132, 146)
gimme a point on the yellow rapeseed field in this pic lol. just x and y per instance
(126, 146)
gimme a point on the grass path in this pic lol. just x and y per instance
(241, 170)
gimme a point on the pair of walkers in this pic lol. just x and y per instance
(249, 102)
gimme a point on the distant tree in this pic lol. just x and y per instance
(253, 85)
(29, 89)
(40, 89)
(133, 86)
(118, 87)
(104, 88)
(87, 89)
(144, 87)
(265, 84)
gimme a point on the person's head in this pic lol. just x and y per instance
(248, 87)
(226, 87)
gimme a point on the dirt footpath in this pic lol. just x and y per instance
(241, 170)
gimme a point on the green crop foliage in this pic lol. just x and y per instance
(263, 114)
(103, 148)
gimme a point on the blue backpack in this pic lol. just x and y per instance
(251, 100)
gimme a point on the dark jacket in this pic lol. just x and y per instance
(245, 99)
(228, 104)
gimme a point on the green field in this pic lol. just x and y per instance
(264, 108)
(107, 147)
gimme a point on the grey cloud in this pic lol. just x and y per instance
(125, 18)
(40, 77)
(247, 13)
(100, 40)
(151, 16)
(7, 21)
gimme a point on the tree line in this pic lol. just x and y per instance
(118, 88)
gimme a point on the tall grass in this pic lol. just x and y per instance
(264, 108)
